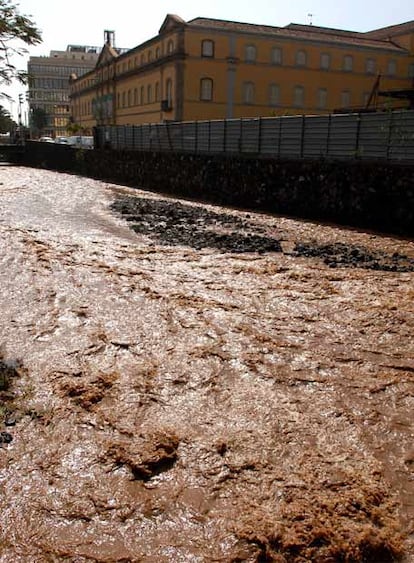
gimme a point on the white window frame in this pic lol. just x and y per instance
(277, 56)
(206, 89)
(207, 48)
(250, 53)
(248, 93)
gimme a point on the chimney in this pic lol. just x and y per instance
(109, 37)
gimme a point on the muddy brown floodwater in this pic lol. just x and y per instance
(186, 383)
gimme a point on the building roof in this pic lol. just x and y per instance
(297, 31)
(392, 30)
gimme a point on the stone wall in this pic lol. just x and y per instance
(369, 195)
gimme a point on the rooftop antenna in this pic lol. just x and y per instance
(310, 16)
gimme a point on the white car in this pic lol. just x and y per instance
(62, 140)
(46, 140)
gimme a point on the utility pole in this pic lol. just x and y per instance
(21, 101)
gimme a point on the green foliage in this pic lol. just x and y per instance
(6, 122)
(15, 28)
(38, 120)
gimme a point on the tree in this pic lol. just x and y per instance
(14, 30)
(6, 122)
(38, 120)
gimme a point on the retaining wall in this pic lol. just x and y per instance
(371, 195)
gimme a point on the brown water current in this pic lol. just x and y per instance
(187, 383)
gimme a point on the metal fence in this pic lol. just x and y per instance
(385, 136)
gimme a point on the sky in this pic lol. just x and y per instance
(82, 22)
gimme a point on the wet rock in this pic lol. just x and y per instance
(174, 223)
(5, 438)
(339, 254)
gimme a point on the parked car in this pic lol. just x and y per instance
(81, 141)
(62, 140)
(46, 139)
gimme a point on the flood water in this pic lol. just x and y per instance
(187, 383)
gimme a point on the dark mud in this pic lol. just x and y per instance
(190, 398)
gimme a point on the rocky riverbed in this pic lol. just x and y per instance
(183, 382)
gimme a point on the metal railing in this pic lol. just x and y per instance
(384, 136)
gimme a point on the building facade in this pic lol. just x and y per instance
(48, 94)
(215, 69)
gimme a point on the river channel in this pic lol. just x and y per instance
(182, 382)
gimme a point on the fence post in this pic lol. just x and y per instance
(357, 135)
(260, 136)
(302, 136)
(389, 140)
(280, 137)
(328, 134)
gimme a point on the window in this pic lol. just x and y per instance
(248, 93)
(129, 98)
(149, 56)
(298, 96)
(206, 89)
(149, 94)
(142, 95)
(348, 63)
(207, 48)
(365, 98)
(135, 96)
(370, 66)
(325, 61)
(170, 46)
(157, 91)
(250, 53)
(345, 99)
(301, 58)
(157, 53)
(274, 94)
(142, 59)
(276, 56)
(322, 98)
(123, 99)
(392, 68)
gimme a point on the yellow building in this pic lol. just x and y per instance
(215, 69)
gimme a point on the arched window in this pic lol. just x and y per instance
(250, 54)
(301, 58)
(348, 63)
(149, 94)
(322, 98)
(325, 61)
(274, 94)
(157, 53)
(248, 93)
(370, 66)
(206, 89)
(277, 56)
(170, 46)
(298, 96)
(345, 99)
(207, 48)
(142, 95)
(392, 68)
(129, 98)
(135, 96)
(157, 91)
